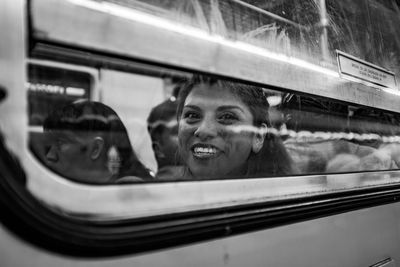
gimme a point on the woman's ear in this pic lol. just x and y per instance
(258, 138)
(97, 147)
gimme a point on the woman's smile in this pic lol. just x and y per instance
(205, 151)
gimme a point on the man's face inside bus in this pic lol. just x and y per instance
(75, 155)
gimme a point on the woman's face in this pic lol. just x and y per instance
(214, 136)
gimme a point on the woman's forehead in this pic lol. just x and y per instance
(212, 95)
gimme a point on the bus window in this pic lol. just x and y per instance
(199, 96)
(205, 128)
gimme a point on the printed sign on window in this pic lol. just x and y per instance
(355, 68)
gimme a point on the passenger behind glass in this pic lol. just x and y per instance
(393, 150)
(163, 129)
(378, 160)
(90, 144)
(223, 131)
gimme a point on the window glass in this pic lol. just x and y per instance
(50, 86)
(366, 29)
(160, 125)
(310, 29)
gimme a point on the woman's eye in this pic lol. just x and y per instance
(60, 143)
(227, 118)
(191, 116)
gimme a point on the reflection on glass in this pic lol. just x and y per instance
(50, 87)
(201, 127)
(326, 137)
(311, 30)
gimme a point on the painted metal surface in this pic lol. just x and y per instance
(359, 238)
(385, 263)
(13, 119)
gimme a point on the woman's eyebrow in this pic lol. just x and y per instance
(191, 107)
(229, 107)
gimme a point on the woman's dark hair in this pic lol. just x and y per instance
(86, 117)
(272, 159)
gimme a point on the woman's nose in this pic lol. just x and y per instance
(207, 129)
(51, 154)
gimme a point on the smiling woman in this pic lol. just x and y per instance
(223, 131)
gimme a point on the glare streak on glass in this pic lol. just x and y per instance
(158, 22)
(311, 30)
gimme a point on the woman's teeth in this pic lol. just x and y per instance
(205, 150)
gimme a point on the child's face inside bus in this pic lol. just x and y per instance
(71, 155)
(212, 133)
